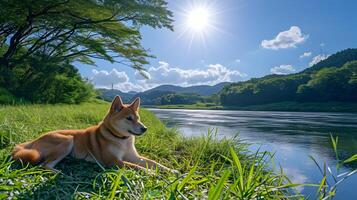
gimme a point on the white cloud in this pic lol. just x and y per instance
(119, 80)
(285, 39)
(237, 60)
(165, 74)
(306, 54)
(105, 78)
(317, 59)
(282, 69)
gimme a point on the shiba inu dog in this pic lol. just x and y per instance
(110, 143)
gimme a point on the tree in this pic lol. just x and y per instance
(269, 89)
(184, 98)
(331, 84)
(48, 82)
(76, 30)
(40, 40)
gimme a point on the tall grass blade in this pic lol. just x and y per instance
(322, 184)
(187, 178)
(351, 159)
(239, 167)
(217, 190)
(334, 145)
(115, 185)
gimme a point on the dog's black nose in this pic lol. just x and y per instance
(143, 129)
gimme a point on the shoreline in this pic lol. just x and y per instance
(338, 107)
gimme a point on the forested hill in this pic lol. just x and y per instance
(109, 94)
(167, 93)
(336, 60)
(204, 90)
(333, 79)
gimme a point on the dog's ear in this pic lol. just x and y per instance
(117, 104)
(136, 104)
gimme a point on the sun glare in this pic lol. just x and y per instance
(198, 19)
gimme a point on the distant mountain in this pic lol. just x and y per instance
(204, 90)
(152, 96)
(109, 94)
(132, 92)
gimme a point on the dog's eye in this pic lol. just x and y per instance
(129, 118)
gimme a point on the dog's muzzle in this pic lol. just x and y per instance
(140, 131)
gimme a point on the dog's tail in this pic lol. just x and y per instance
(31, 156)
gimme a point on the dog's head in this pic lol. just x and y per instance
(124, 118)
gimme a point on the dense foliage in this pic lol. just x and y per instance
(6, 97)
(180, 99)
(152, 97)
(273, 88)
(44, 82)
(57, 33)
(333, 82)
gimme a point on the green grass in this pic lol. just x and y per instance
(281, 106)
(209, 168)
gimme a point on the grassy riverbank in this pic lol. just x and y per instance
(282, 106)
(208, 168)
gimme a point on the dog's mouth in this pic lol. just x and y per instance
(131, 132)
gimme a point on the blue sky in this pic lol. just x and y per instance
(249, 38)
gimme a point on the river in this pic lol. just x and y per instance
(293, 136)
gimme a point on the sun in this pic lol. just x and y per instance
(198, 19)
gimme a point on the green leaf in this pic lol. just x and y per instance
(322, 184)
(187, 178)
(239, 167)
(334, 145)
(351, 159)
(115, 184)
(216, 191)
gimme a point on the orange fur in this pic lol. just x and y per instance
(27, 155)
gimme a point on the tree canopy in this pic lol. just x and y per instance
(57, 33)
(331, 84)
(78, 30)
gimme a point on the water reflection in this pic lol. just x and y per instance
(292, 135)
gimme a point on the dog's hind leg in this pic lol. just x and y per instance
(57, 153)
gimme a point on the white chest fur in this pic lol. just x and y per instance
(116, 151)
(122, 149)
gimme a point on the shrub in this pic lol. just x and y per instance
(6, 97)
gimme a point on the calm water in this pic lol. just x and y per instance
(292, 135)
